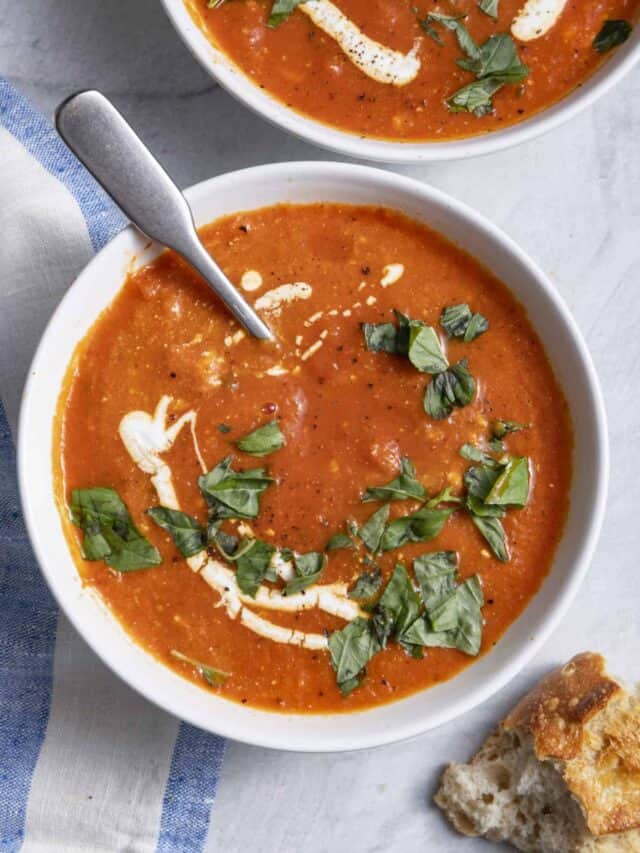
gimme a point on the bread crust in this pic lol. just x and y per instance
(556, 710)
(584, 721)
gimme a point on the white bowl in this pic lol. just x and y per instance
(309, 182)
(260, 101)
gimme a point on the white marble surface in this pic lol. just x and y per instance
(571, 199)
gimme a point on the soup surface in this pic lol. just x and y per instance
(390, 68)
(294, 588)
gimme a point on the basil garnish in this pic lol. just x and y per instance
(454, 23)
(339, 540)
(420, 526)
(501, 428)
(612, 34)
(281, 10)
(400, 602)
(493, 531)
(187, 533)
(512, 485)
(233, 494)
(252, 565)
(372, 530)
(213, 677)
(404, 487)
(351, 649)
(109, 531)
(489, 7)
(436, 574)
(366, 585)
(455, 387)
(474, 454)
(264, 440)
(425, 351)
(380, 337)
(459, 321)
(309, 567)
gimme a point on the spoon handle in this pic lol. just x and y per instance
(103, 141)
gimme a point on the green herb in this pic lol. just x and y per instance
(511, 488)
(489, 7)
(366, 585)
(501, 428)
(400, 601)
(436, 574)
(187, 532)
(493, 532)
(420, 526)
(226, 543)
(213, 677)
(264, 440)
(458, 321)
(281, 10)
(429, 30)
(403, 487)
(612, 34)
(372, 530)
(339, 540)
(443, 497)
(495, 63)
(224, 428)
(425, 350)
(380, 337)
(454, 23)
(309, 567)
(455, 387)
(233, 494)
(496, 445)
(109, 531)
(474, 454)
(460, 616)
(253, 565)
(351, 649)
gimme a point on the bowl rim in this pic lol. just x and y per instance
(259, 101)
(31, 499)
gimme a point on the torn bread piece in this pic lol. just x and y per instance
(561, 774)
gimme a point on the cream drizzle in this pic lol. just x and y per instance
(536, 18)
(145, 437)
(378, 62)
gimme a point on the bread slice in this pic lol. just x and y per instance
(561, 774)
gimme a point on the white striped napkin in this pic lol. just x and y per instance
(85, 763)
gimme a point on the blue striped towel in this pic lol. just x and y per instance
(85, 764)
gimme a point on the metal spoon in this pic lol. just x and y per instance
(103, 141)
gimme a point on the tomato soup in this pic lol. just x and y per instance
(405, 71)
(335, 520)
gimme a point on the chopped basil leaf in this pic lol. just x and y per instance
(496, 58)
(281, 10)
(226, 543)
(264, 440)
(213, 677)
(477, 326)
(460, 616)
(501, 428)
(187, 532)
(443, 497)
(420, 526)
(309, 567)
(489, 7)
(430, 31)
(436, 575)
(512, 485)
(109, 531)
(233, 494)
(455, 387)
(400, 601)
(475, 97)
(339, 540)
(458, 321)
(612, 34)
(224, 428)
(372, 530)
(496, 445)
(493, 532)
(425, 350)
(474, 454)
(467, 44)
(403, 487)
(479, 480)
(380, 337)
(351, 649)
(252, 566)
(366, 585)
(454, 319)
